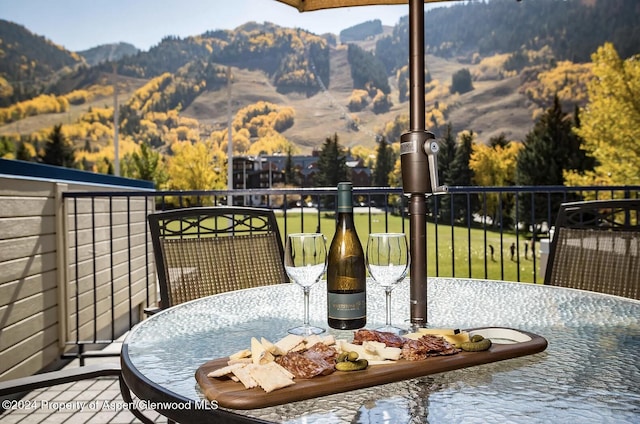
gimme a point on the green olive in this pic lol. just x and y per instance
(358, 365)
(352, 356)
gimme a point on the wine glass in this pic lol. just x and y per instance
(388, 262)
(305, 260)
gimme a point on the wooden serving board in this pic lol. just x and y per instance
(231, 394)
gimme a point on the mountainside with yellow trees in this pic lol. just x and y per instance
(288, 89)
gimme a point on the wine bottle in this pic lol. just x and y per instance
(346, 272)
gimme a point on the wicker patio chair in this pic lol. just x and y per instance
(596, 247)
(208, 250)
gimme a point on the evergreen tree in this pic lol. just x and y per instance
(367, 70)
(499, 140)
(58, 151)
(291, 177)
(462, 175)
(445, 159)
(385, 160)
(446, 155)
(461, 82)
(550, 148)
(332, 164)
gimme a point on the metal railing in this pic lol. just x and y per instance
(472, 232)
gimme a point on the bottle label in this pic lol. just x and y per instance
(347, 306)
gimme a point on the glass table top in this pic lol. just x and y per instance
(589, 372)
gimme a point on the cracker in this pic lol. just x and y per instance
(270, 377)
(244, 353)
(244, 374)
(220, 372)
(240, 361)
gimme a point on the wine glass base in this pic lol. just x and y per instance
(391, 329)
(306, 330)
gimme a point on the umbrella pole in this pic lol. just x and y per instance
(418, 151)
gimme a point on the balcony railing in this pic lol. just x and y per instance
(475, 232)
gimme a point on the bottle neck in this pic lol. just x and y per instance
(345, 220)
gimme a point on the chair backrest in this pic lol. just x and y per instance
(208, 250)
(596, 247)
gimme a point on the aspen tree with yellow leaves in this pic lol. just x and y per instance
(197, 166)
(610, 123)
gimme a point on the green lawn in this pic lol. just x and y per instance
(453, 254)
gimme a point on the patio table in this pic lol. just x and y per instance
(590, 371)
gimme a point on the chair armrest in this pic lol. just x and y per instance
(54, 378)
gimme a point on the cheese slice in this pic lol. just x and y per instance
(329, 340)
(290, 341)
(259, 354)
(270, 347)
(311, 340)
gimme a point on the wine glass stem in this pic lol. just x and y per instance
(388, 299)
(306, 305)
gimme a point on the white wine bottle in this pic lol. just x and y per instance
(346, 271)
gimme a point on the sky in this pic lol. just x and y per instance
(81, 24)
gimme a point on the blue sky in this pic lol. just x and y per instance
(82, 24)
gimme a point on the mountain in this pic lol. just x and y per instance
(29, 61)
(357, 92)
(108, 52)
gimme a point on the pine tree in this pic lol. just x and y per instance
(332, 164)
(58, 151)
(290, 177)
(446, 155)
(385, 160)
(550, 149)
(462, 175)
(461, 82)
(445, 159)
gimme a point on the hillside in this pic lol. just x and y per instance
(516, 74)
(494, 107)
(29, 62)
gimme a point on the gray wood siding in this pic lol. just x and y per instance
(28, 277)
(46, 267)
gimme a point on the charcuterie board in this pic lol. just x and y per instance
(507, 343)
